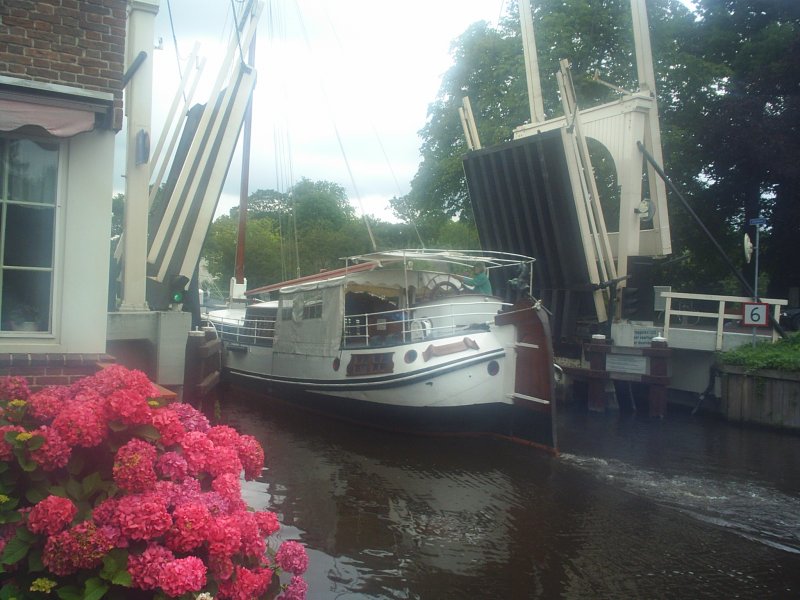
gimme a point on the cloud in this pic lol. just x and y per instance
(363, 69)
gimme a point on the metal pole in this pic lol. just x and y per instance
(755, 284)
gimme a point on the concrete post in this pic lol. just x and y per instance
(138, 103)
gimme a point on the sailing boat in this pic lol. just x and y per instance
(397, 340)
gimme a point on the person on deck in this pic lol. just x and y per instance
(479, 282)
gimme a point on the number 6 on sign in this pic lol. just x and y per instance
(755, 314)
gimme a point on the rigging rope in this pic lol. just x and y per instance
(327, 103)
(175, 42)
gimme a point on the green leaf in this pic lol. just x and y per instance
(9, 591)
(10, 517)
(74, 489)
(24, 461)
(95, 589)
(91, 484)
(15, 550)
(11, 436)
(147, 432)
(69, 592)
(57, 490)
(36, 494)
(122, 578)
(10, 504)
(26, 536)
(117, 426)
(35, 560)
(3, 467)
(114, 562)
(35, 442)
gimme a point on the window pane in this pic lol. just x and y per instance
(32, 171)
(26, 300)
(29, 236)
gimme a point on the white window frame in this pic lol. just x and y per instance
(56, 282)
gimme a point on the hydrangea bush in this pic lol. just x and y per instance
(106, 491)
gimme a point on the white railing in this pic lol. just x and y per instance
(376, 328)
(430, 321)
(259, 332)
(686, 310)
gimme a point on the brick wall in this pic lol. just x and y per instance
(80, 43)
(51, 369)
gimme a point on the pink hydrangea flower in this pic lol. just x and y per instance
(7, 532)
(189, 527)
(223, 460)
(252, 456)
(6, 449)
(182, 575)
(245, 584)
(129, 406)
(296, 590)
(104, 516)
(197, 448)
(45, 404)
(191, 418)
(267, 522)
(134, 466)
(143, 516)
(220, 567)
(14, 388)
(222, 435)
(253, 544)
(54, 453)
(80, 547)
(228, 486)
(292, 557)
(146, 568)
(116, 377)
(172, 466)
(80, 424)
(169, 426)
(51, 515)
(224, 538)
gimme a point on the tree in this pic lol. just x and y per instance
(727, 84)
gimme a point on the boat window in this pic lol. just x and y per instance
(301, 306)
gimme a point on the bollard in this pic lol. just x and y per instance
(596, 354)
(659, 377)
(193, 368)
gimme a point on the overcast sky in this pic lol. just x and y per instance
(365, 68)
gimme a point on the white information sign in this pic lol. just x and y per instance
(642, 336)
(626, 363)
(756, 314)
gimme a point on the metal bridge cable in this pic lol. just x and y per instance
(284, 167)
(375, 132)
(238, 36)
(175, 42)
(324, 95)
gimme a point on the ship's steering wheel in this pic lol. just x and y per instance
(444, 288)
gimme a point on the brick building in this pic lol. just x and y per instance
(61, 72)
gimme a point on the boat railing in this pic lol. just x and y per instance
(446, 319)
(238, 330)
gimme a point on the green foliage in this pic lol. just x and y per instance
(728, 85)
(314, 223)
(783, 355)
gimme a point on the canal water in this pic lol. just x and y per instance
(684, 507)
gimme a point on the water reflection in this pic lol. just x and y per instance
(388, 516)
